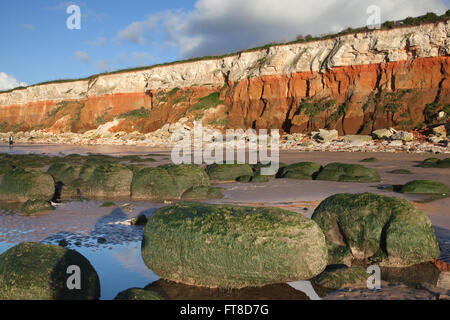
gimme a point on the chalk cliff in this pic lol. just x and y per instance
(355, 83)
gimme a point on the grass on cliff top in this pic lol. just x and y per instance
(387, 25)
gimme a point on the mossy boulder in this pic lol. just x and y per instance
(72, 179)
(336, 277)
(228, 172)
(110, 181)
(301, 170)
(36, 206)
(401, 171)
(436, 163)
(138, 294)
(167, 182)
(425, 187)
(386, 230)
(200, 193)
(20, 185)
(348, 173)
(224, 246)
(244, 179)
(33, 271)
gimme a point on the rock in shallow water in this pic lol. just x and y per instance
(301, 170)
(36, 206)
(21, 185)
(228, 172)
(33, 271)
(386, 230)
(425, 187)
(223, 246)
(167, 182)
(348, 173)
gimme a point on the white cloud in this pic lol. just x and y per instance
(137, 31)
(9, 82)
(81, 56)
(220, 26)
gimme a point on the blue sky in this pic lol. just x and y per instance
(37, 46)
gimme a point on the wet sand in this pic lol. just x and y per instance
(105, 237)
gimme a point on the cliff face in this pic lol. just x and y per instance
(354, 83)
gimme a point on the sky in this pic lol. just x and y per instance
(37, 46)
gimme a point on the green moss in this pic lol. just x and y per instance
(341, 276)
(374, 226)
(210, 101)
(138, 294)
(425, 187)
(369, 160)
(168, 182)
(26, 184)
(301, 170)
(228, 172)
(32, 271)
(108, 204)
(401, 171)
(348, 173)
(202, 193)
(142, 113)
(110, 181)
(36, 206)
(436, 163)
(232, 247)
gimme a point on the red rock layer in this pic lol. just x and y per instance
(356, 99)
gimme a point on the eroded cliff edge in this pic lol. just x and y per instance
(355, 83)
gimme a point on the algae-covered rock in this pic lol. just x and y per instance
(385, 230)
(224, 246)
(33, 271)
(138, 294)
(336, 277)
(21, 185)
(348, 173)
(425, 187)
(200, 193)
(36, 206)
(301, 170)
(258, 178)
(228, 172)
(401, 171)
(167, 182)
(436, 163)
(110, 181)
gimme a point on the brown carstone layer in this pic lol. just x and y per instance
(355, 99)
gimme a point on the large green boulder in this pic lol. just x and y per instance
(138, 294)
(301, 170)
(336, 277)
(348, 173)
(425, 187)
(20, 185)
(436, 163)
(386, 230)
(33, 271)
(228, 172)
(167, 182)
(224, 246)
(110, 181)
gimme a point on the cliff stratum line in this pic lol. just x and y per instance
(354, 83)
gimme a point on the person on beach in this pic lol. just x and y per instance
(11, 140)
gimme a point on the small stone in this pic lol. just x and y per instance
(63, 243)
(403, 136)
(101, 240)
(440, 131)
